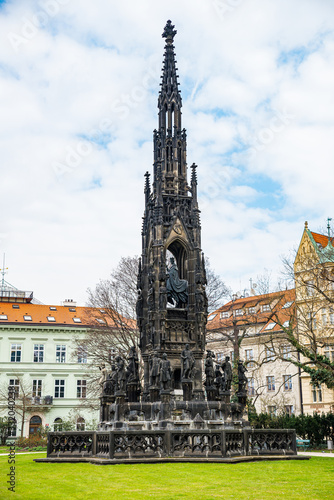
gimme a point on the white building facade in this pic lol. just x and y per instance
(39, 358)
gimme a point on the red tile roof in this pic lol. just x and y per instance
(320, 238)
(63, 315)
(276, 299)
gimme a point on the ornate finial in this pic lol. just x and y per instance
(193, 174)
(147, 189)
(169, 31)
(329, 227)
(306, 224)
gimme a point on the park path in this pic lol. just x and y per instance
(316, 454)
(23, 453)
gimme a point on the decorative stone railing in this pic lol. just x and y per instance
(131, 444)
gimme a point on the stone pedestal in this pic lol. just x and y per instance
(120, 397)
(165, 396)
(154, 394)
(211, 393)
(133, 392)
(242, 398)
(187, 387)
(225, 396)
(198, 395)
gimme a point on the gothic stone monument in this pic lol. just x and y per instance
(182, 410)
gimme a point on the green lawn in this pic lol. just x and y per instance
(309, 480)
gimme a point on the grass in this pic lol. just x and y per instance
(311, 480)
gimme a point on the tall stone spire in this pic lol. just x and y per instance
(169, 92)
(170, 139)
(171, 235)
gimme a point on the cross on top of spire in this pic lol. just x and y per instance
(169, 32)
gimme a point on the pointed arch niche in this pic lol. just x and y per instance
(179, 251)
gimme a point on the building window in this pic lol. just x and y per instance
(76, 320)
(81, 388)
(249, 358)
(271, 383)
(224, 314)
(112, 355)
(82, 354)
(80, 424)
(287, 382)
(12, 428)
(312, 322)
(270, 326)
(265, 308)
(51, 319)
(220, 357)
(58, 425)
(3, 316)
(309, 288)
(324, 317)
(15, 353)
(287, 305)
(316, 393)
(251, 387)
(272, 410)
(286, 351)
(288, 410)
(59, 388)
(251, 310)
(38, 353)
(36, 388)
(329, 352)
(101, 321)
(16, 384)
(331, 316)
(60, 353)
(27, 317)
(269, 354)
(53, 308)
(238, 312)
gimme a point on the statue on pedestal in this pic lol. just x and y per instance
(242, 377)
(165, 373)
(155, 370)
(103, 377)
(209, 370)
(109, 385)
(121, 374)
(187, 363)
(177, 289)
(132, 372)
(227, 367)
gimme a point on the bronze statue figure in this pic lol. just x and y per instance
(165, 372)
(177, 289)
(155, 370)
(187, 363)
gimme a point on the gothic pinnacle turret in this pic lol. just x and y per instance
(170, 141)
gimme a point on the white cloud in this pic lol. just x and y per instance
(81, 89)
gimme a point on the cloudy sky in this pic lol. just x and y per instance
(79, 83)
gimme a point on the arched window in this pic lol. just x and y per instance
(35, 425)
(80, 424)
(58, 424)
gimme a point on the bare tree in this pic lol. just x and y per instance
(216, 290)
(112, 315)
(309, 328)
(26, 402)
